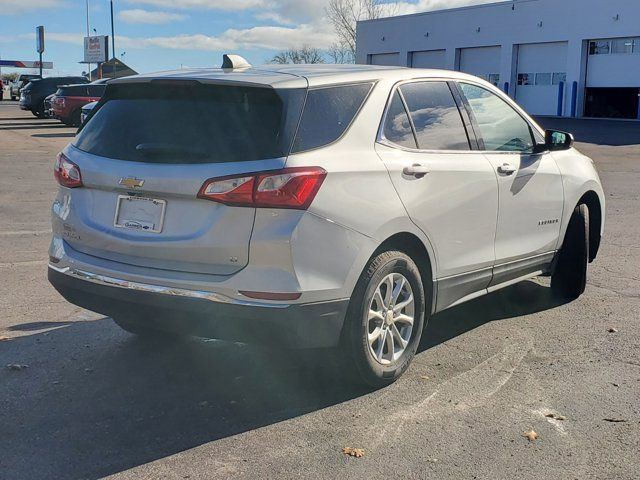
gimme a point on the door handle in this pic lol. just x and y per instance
(506, 169)
(416, 170)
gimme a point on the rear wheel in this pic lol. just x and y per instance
(74, 119)
(385, 318)
(569, 278)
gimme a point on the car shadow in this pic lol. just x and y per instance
(94, 400)
(54, 135)
(35, 126)
(524, 298)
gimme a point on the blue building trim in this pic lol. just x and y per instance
(574, 98)
(560, 98)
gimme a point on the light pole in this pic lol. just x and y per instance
(113, 41)
(87, 3)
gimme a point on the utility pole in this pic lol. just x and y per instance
(113, 42)
(90, 79)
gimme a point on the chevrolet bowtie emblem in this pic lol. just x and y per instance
(131, 182)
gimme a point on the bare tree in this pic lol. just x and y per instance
(340, 53)
(344, 15)
(304, 54)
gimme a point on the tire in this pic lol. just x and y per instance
(74, 119)
(138, 327)
(569, 278)
(374, 362)
(13, 98)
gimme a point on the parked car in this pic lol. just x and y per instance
(315, 206)
(21, 81)
(86, 111)
(33, 94)
(48, 113)
(68, 101)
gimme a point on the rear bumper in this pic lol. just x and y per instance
(310, 325)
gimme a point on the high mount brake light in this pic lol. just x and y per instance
(66, 172)
(294, 187)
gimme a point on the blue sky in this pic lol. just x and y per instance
(167, 34)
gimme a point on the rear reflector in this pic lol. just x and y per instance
(271, 295)
(294, 187)
(66, 172)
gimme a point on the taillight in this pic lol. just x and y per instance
(293, 187)
(66, 172)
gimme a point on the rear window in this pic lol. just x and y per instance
(74, 90)
(193, 123)
(96, 90)
(328, 112)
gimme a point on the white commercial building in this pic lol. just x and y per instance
(554, 57)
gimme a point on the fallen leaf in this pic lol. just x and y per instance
(614, 420)
(16, 366)
(531, 435)
(424, 377)
(613, 330)
(555, 416)
(353, 452)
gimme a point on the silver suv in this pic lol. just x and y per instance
(315, 206)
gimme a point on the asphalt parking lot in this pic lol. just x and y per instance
(82, 399)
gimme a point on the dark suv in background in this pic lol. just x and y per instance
(14, 89)
(33, 94)
(67, 103)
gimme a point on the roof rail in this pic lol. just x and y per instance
(234, 61)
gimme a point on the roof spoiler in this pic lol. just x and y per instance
(234, 61)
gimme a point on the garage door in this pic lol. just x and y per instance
(483, 62)
(613, 78)
(428, 59)
(392, 59)
(541, 69)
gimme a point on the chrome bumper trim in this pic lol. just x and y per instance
(145, 287)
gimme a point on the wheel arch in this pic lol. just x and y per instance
(415, 248)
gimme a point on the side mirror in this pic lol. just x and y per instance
(554, 140)
(557, 140)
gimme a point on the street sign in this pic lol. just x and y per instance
(25, 64)
(40, 39)
(96, 49)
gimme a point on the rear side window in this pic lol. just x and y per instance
(435, 116)
(397, 127)
(192, 123)
(328, 112)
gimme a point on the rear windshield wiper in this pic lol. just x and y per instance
(169, 149)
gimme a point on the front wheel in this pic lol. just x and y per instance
(569, 278)
(385, 318)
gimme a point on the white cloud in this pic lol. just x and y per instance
(205, 4)
(404, 8)
(12, 7)
(139, 15)
(275, 17)
(269, 37)
(265, 37)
